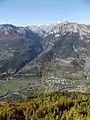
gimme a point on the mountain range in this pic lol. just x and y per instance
(53, 57)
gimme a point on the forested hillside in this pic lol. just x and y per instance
(54, 106)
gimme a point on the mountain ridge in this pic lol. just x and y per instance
(57, 60)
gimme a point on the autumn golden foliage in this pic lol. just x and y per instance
(54, 106)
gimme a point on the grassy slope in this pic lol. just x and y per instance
(12, 85)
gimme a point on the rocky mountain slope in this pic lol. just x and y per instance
(64, 62)
(18, 46)
(57, 60)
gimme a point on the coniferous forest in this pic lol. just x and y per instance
(54, 106)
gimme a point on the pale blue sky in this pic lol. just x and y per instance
(26, 12)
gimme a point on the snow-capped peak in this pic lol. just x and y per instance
(64, 27)
(36, 29)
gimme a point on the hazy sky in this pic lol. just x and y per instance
(25, 12)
